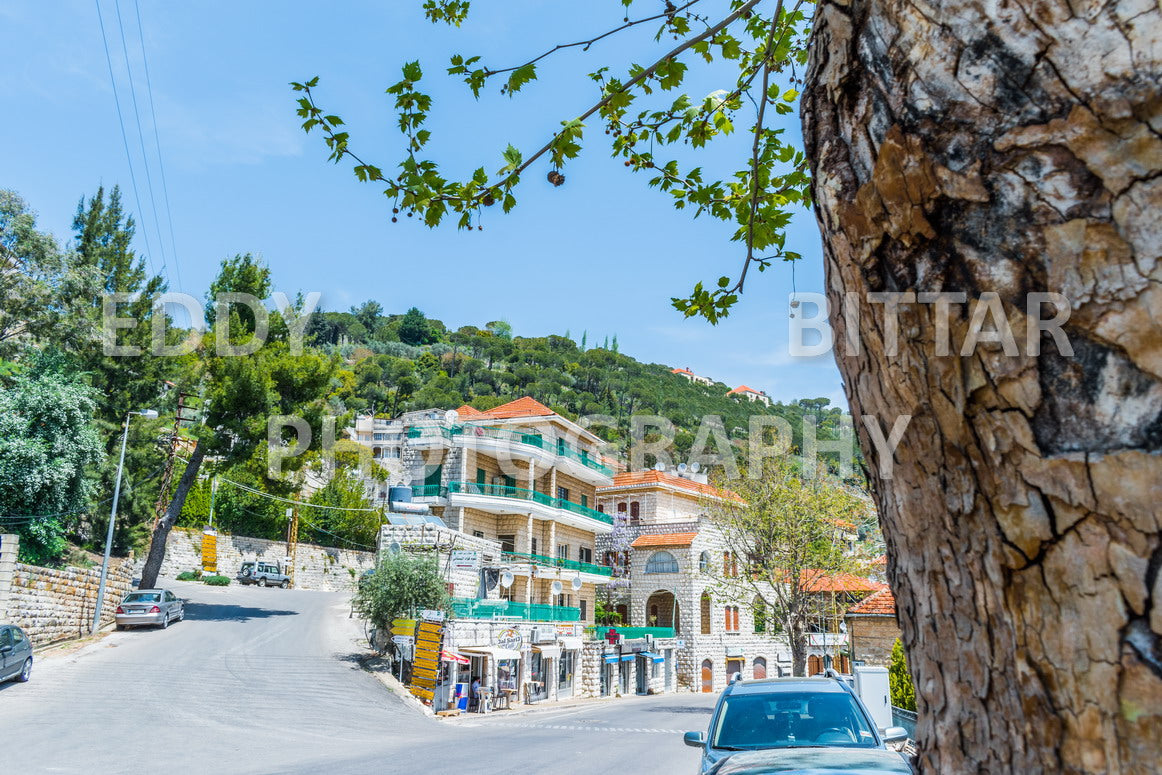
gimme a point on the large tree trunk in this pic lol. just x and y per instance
(156, 554)
(798, 639)
(1008, 147)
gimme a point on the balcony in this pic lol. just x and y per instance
(557, 562)
(466, 608)
(486, 438)
(516, 500)
(428, 491)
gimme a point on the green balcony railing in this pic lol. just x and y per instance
(631, 633)
(582, 456)
(530, 439)
(557, 562)
(428, 491)
(506, 491)
(428, 431)
(465, 608)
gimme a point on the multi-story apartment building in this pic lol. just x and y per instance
(695, 378)
(750, 394)
(679, 569)
(525, 477)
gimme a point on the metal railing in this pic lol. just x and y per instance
(466, 608)
(558, 562)
(428, 491)
(562, 448)
(631, 633)
(519, 493)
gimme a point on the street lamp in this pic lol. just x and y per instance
(148, 414)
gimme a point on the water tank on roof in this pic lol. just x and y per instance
(399, 494)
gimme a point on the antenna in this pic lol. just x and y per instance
(506, 579)
(577, 583)
(558, 587)
(451, 415)
(695, 467)
(681, 468)
(660, 467)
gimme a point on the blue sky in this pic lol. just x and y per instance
(602, 254)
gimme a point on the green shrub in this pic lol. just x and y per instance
(189, 575)
(217, 581)
(900, 681)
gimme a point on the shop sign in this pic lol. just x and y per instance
(568, 630)
(637, 644)
(681, 644)
(432, 616)
(509, 639)
(403, 640)
(464, 559)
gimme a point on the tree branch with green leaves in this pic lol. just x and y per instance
(757, 198)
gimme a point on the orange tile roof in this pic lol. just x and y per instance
(469, 412)
(818, 581)
(634, 478)
(680, 371)
(882, 603)
(744, 389)
(521, 407)
(666, 539)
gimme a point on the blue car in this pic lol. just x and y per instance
(794, 725)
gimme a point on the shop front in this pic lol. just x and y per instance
(568, 666)
(498, 670)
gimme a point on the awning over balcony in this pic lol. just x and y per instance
(549, 652)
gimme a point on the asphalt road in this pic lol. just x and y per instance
(266, 681)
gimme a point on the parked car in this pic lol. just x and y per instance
(801, 724)
(15, 654)
(150, 607)
(263, 573)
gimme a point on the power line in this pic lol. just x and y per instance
(141, 142)
(157, 143)
(18, 519)
(124, 136)
(288, 500)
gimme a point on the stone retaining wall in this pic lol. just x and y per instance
(316, 567)
(52, 604)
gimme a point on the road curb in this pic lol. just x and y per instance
(381, 669)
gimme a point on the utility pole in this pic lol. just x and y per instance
(292, 539)
(170, 455)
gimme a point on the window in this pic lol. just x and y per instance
(507, 543)
(585, 554)
(705, 613)
(661, 562)
(704, 562)
(584, 609)
(585, 501)
(834, 718)
(481, 477)
(562, 551)
(729, 565)
(562, 493)
(621, 508)
(601, 507)
(731, 618)
(17, 635)
(635, 510)
(478, 533)
(5, 637)
(534, 546)
(759, 667)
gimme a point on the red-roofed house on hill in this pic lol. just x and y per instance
(697, 379)
(872, 628)
(750, 394)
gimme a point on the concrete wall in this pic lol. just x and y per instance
(53, 604)
(316, 567)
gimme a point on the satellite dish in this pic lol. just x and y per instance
(558, 587)
(576, 583)
(506, 579)
(394, 547)
(695, 466)
(681, 468)
(451, 415)
(660, 467)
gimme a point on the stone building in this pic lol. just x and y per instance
(674, 563)
(750, 394)
(872, 629)
(697, 379)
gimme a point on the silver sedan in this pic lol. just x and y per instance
(152, 607)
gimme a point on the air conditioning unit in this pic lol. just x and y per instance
(544, 634)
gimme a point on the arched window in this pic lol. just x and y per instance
(704, 562)
(759, 666)
(661, 562)
(760, 614)
(707, 676)
(601, 507)
(705, 613)
(621, 508)
(635, 510)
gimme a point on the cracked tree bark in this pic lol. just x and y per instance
(1007, 147)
